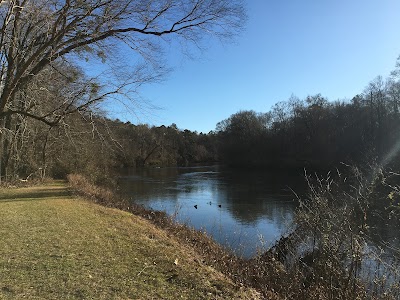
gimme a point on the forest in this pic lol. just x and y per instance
(316, 133)
(312, 133)
(53, 121)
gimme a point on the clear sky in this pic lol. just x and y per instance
(300, 47)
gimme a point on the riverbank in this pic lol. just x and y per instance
(59, 246)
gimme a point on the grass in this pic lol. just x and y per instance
(320, 259)
(54, 245)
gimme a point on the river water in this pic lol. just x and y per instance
(246, 211)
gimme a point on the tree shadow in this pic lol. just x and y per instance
(40, 194)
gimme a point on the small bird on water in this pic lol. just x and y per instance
(195, 206)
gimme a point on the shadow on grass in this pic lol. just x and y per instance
(40, 194)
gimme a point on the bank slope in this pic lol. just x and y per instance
(56, 246)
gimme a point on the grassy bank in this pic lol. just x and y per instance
(263, 273)
(57, 246)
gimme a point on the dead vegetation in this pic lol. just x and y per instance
(328, 254)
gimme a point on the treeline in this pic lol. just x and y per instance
(142, 145)
(311, 133)
(316, 133)
(99, 147)
(66, 133)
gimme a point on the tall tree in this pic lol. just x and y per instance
(37, 33)
(38, 36)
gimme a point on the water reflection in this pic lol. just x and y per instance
(241, 210)
(383, 230)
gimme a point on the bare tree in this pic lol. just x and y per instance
(37, 33)
(48, 38)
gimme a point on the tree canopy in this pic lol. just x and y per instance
(40, 34)
(316, 133)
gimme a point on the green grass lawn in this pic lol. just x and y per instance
(54, 245)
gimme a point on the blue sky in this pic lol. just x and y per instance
(288, 47)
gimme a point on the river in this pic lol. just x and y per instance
(246, 211)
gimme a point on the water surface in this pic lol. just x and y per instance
(245, 211)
